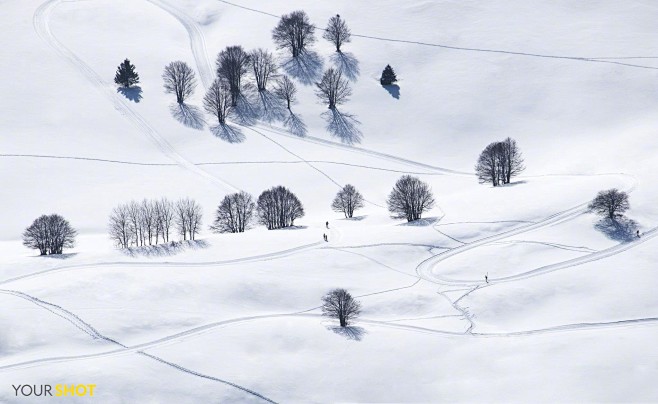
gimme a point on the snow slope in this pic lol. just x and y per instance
(570, 312)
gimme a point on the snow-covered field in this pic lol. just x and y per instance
(570, 313)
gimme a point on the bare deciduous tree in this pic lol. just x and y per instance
(347, 200)
(232, 64)
(234, 214)
(49, 234)
(285, 89)
(217, 100)
(340, 304)
(179, 79)
(611, 203)
(294, 32)
(409, 198)
(499, 162)
(120, 228)
(278, 207)
(264, 67)
(165, 213)
(333, 89)
(188, 216)
(337, 32)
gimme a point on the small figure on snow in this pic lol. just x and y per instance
(327, 224)
(486, 278)
(638, 234)
(324, 236)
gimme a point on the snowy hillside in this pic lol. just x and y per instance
(569, 312)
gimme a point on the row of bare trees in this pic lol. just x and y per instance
(153, 221)
(295, 33)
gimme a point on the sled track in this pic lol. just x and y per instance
(41, 20)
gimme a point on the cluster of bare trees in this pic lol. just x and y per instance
(334, 89)
(278, 207)
(153, 221)
(499, 162)
(49, 234)
(294, 33)
(409, 198)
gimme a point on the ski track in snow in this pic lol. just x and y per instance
(41, 22)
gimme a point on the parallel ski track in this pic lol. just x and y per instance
(41, 22)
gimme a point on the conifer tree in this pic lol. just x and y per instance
(126, 75)
(388, 76)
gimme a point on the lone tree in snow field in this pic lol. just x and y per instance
(285, 90)
(232, 65)
(263, 66)
(339, 304)
(499, 162)
(337, 32)
(49, 234)
(126, 75)
(409, 198)
(179, 79)
(278, 207)
(333, 89)
(388, 76)
(217, 100)
(347, 200)
(610, 203)
(294, 32)
(234, 213)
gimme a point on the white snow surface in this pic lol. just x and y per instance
(570, 312)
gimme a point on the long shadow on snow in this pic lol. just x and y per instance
(165, 249)
(295, 124)
(132, 93)
(346, 62)
(350, 332)
(307, 67)
(228, 133)
(620, 229)
(272, 108)
(393, 89)
(188, 115)
(343, 126)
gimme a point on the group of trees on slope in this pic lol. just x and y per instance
(150, 221)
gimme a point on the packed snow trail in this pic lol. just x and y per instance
(41, 21)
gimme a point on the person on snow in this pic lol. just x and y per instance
(486, 278)
(327, 224)
(638, 234)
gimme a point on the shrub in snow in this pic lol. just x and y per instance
(49, 234)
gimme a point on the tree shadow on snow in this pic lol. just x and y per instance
(271, 107)
(134, 94)
(228, 133)
(351, 332)
(307, 67)
(422, 222)
(620, 229)
(58, 256)
(346, 62)
(165, 249)
(188, 115)
(295, 124)
(343, 125)
(247, 111)
(355, 218)
(393, 89)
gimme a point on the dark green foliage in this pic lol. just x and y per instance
(126, 75)
(388, 76)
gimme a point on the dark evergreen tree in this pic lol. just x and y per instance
(388, 76)
(126, 75)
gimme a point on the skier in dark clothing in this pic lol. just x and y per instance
(638, 234)
(327, 224)
(486, 278)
